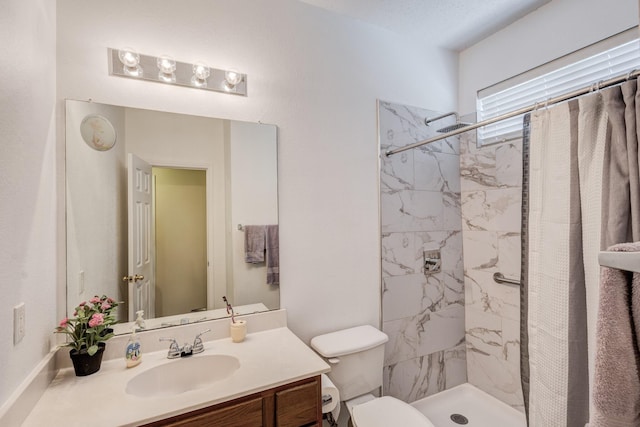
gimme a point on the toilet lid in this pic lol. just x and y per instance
(388, 411)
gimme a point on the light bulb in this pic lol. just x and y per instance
(233, 77)
(166, 64)
(129, 57)
(130, 62)
(201, 73)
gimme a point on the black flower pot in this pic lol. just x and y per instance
(106, 332)
(83, 363)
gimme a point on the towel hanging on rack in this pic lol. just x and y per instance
(254, 243)
(616, 390)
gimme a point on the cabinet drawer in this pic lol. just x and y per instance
(298, 406)
(244, 414)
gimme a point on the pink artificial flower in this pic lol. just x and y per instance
(63, 322)
(105, 306)
(94, 300)
(110, 300)
(96, 320)
(82, 303)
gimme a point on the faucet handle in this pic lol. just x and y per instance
(198, 346)
(174, 348)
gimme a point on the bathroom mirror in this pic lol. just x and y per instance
(205, 180)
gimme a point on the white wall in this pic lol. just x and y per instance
(556, 29)
(27, 184)
(314, 74)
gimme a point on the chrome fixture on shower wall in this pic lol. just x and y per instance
(126, 62)
(432, 262)
(457, 125)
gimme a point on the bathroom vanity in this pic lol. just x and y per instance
(270, 379)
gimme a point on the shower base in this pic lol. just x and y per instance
(468, 403)
(477, 407)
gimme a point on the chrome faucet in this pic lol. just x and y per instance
(175, 351)
(198, 346)
(174, 348)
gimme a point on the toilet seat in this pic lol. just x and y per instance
(388, 411)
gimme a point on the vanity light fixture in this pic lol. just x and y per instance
(165, 69)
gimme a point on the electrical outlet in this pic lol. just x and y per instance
(18, 323)
(81, 282)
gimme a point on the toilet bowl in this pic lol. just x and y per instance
(387, 411)
(356, 356)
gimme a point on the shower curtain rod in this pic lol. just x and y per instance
(551, 101)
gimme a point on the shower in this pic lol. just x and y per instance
(457, 125)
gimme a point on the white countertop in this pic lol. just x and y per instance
(267, 359)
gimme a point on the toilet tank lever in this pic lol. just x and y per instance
(333, 360)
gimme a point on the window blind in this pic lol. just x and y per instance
(602, 66)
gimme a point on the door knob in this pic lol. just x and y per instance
(133, 278)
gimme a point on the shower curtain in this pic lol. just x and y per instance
(581, 194)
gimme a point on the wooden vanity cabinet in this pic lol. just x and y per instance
(293, 405)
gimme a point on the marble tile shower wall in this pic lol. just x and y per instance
(491, 184)
(420, 211)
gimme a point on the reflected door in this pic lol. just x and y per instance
(141, 290)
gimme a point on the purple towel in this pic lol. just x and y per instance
(254, 243)
(616, 389)
(273, 254)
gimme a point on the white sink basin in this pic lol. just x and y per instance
(182, 375)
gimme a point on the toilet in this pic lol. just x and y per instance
(356, 356)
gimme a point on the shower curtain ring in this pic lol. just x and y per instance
(600, 85)
(630, 74)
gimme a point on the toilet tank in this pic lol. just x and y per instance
(356, 356)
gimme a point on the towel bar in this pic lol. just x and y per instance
(629, 261)
(499, 278)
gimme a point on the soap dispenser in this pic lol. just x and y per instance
(139, 320)
(133, 353)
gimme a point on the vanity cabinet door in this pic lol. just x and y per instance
(299, 405)
(243, 414)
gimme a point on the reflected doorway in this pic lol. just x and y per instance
(180, 217)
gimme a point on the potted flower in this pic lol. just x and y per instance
(87, 332)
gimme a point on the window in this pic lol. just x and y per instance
(611, 63)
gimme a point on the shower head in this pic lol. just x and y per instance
(457, 125)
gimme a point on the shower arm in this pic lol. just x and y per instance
(433, 119)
